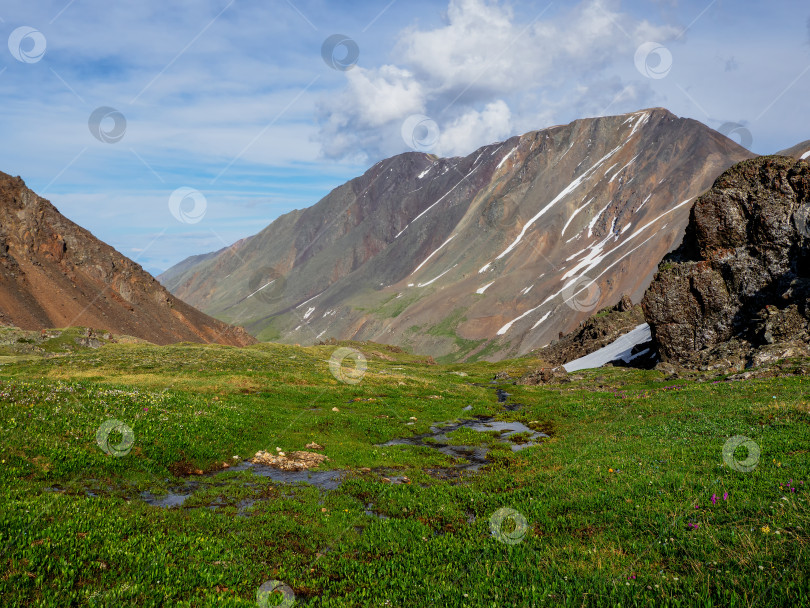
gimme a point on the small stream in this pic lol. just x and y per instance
(436, 438)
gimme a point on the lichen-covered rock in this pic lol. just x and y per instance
(296, 461)
(741, 278)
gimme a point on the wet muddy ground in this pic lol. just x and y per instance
(470, 458)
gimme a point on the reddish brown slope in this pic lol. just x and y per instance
(54, 273)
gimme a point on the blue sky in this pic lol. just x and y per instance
(236, 99)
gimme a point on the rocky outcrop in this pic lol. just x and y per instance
(736, 293)
(54, 273)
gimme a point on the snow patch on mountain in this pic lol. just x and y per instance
(543, 318)
(436, 203)
(484, 288)
(436, 278)
(644, 202)
(432, 254)
(566, 191)
(610, 181)
(505, 158)
(308, 301)
(643, 117)
(596, 218)
(621, 348)
(506, 327)
(573, 215)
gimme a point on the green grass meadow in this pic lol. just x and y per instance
(630, 502)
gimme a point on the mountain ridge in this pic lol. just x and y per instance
(54, 273)
(443, 254)
(800, 151)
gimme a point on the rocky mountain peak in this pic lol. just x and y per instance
(489, 255)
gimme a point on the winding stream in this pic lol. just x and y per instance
(436, 438)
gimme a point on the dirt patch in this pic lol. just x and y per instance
(184, 468)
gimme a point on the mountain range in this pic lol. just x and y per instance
(487, 256)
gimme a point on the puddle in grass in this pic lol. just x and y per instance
(437, 439)
(369, 510)
(243, 506)
(171, 499)
(325, 480)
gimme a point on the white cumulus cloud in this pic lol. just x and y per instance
(466, 132)
(473, 74)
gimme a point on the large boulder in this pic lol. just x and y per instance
(740, 281)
